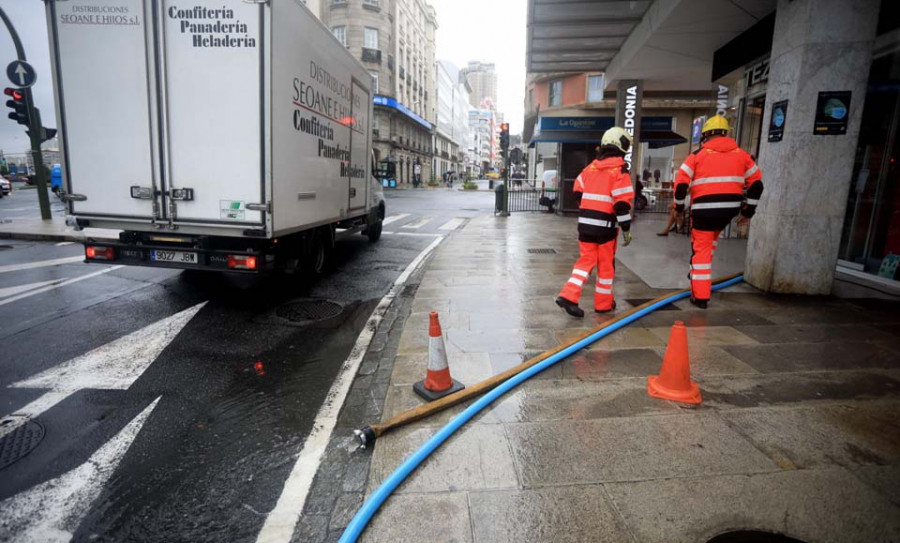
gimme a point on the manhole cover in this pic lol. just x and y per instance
(309, 310)
(18, 443)
(641, 301)
(752, 536)
(542, 251)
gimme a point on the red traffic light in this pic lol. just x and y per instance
(15, 94)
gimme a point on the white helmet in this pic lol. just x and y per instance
(617, 137)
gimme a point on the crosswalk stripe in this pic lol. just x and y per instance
(12, 291)
(57, 285)
(452, 224)
(419, 223)
(41, 264)
(393, 218)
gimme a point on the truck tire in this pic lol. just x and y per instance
(318, 252)
(373, 232)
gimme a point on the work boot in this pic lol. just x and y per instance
(570, 307)
(699, 303)
(613, 308)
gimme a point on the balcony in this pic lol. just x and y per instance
(371, 55)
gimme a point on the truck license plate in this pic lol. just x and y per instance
(179, 257)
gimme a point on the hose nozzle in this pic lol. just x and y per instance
(365, 436)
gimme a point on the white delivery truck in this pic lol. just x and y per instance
(216, 134)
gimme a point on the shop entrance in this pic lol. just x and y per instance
(871, 236)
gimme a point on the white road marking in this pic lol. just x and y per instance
(393, 218)
(415, 234)
(12, 291)
(418, 224)
(58, 285)
(52, 511)
(41, 264)
(64, 243)
(452, 224)
(280, 523)
(115, 365)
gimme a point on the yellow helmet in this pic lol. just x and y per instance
(714, 123)
(617, 137)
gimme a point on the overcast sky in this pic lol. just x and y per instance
(485, 30)
(490, 31)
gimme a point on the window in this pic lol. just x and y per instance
(374, 82)
(338, 1)
(595, 88)
(340, 32)
(370, 38)
(530, 99)
(556, 92)
(371, 2)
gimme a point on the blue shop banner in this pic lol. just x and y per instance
(599, 124)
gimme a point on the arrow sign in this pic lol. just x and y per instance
(53, 510)
(112, 366)
(21, 73)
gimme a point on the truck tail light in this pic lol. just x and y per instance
(93, 252)
(242, 262)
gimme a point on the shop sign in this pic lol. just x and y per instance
(758, 73)
(722, 101)
(777, 119)
(832, 112)
(575, 123)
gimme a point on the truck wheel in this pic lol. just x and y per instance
(373, 232)
(317, 254)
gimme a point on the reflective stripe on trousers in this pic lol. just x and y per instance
(601, 255)
(703, 243)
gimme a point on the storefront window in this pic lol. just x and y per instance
(656, 167)
(871, 236)
(751, 124)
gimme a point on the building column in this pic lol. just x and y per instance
(819, 45)
(629, 94)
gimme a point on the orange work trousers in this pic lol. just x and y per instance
(703, 243)
(603, 256)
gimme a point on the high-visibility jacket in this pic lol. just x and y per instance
(606, 199)
(718, 175)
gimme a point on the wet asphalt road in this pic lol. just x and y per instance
(238, 387)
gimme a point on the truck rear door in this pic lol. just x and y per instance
(104, 58)
(212, 87)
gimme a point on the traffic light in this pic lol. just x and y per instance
(46, 133)
(504, 136)
(17, 105)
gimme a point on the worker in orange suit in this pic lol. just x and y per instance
(605, 197)
(724, 180)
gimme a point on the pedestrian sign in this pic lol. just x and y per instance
(21, 74)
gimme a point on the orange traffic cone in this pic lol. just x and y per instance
(438, 382)
(674, 379)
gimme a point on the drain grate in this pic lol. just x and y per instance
(17, 444)
(309, 310)
(542, 251)
(640, 301)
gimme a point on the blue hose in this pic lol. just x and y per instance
(368, 509)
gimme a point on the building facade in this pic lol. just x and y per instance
(451, 134)
(483, 80)
(394, 39)
(483, 141)
(566, 115)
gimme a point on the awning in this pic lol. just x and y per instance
(657, 139)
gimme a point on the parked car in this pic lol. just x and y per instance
(5, 187)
